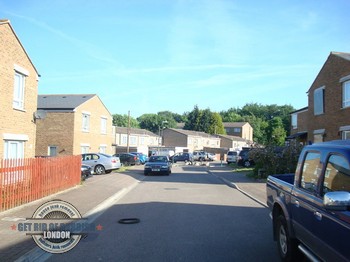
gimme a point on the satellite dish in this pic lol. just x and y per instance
(39, 114)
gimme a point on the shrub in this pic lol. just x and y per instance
(275, 160)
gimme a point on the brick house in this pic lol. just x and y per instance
(73, 124)
(140, 140)
(192, 140)
(327, 115)
(240, 129)
(18, 100)
(233, 142)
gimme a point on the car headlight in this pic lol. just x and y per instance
(164, 166)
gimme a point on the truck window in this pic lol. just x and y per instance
(337, 175)
(310, 172)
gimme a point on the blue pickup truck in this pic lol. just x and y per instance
(311, 209)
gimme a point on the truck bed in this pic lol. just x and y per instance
(277, 184)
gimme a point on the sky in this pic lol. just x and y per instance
(147, 56)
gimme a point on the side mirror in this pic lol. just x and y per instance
(337, 201)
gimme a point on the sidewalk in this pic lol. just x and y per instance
(89, 198)
(255, 189)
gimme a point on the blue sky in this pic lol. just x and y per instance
(148, 56)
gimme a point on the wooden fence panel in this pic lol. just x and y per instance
(26, 180)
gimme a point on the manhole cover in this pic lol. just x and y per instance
(129, 221)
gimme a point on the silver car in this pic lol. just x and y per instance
(101, 163)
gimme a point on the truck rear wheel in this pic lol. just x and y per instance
(287, 247)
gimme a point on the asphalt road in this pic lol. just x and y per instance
(187, 216)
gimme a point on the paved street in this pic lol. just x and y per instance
(191, 215)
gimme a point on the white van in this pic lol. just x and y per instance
(231, 157)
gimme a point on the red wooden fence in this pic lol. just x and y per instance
(26, 180)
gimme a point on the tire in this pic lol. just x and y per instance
(99, 170)
(287, 247)
(247, 163)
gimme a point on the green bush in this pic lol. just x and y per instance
(275, 160)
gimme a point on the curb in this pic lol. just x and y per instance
(235, 186)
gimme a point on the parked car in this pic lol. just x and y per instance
(101, 163)
(86, 171)
(244, 159)
(182, 157)
(128, 159)
(158, 165)
(200, 156)
(231, 157)
(212, 157)
(143, 158)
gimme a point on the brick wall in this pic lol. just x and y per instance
(94, 138)
(56, 129)
(16, 122)
(334, 116)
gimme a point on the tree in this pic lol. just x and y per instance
(276, 134)
(204, 121)
(193, 119)
(216, 125)
(149, 122)
(122, 121)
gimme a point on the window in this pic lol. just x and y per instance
(346, 94)
(337, 175)
(124, 139)
(84, 149)
(103, 149)
(86, 122)
(52, 151)
(311, 172)
(294, 121)
(345, 135)
(319, 101)
(133, 140)
(237, 130)
(18, 97)
(14, 149)
(103, 125)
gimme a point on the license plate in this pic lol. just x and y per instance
(155, 170)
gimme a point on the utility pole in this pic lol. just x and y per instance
(128, 133)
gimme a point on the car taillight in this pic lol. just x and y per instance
(114, 161)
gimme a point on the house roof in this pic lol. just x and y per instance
(7, 22)
(345, 56)
(233, 138)
(133, 131)
(191, 133)
(300, 110)
(62, 102)
(234, 124)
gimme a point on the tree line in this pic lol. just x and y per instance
(271, 123)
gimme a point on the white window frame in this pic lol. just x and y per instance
(103, 125)
(346, 94)
(103, 149)
(85, 148)
(86, 122)
(295, 121)
(133, 140)
(319, 105)
(14, 153)
(49, 151)
(345, 135)
(124, 139)
(18, 91)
